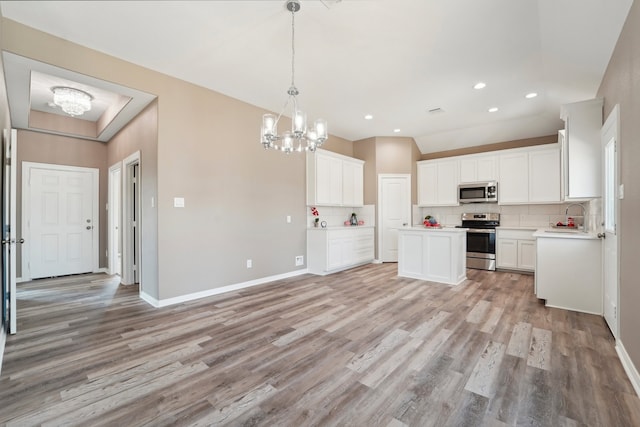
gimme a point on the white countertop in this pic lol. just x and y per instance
(434, 229)
(516, 227)
(341, 227)
(558, 234)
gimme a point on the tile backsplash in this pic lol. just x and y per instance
(336, 216)
(516, 215)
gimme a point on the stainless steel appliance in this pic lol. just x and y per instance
(478, 192)
(481, 239)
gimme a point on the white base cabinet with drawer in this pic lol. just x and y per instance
(515, 249)
(334, 249)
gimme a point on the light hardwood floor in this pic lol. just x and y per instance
(360, 348)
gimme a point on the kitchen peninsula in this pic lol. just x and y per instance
(434, 254)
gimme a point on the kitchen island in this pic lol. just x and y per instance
(434, 254)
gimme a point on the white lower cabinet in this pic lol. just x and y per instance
(569, 272)
(515, 249)
(331, 250)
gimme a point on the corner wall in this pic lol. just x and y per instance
(621, 85)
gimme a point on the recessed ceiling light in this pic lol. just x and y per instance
(480, 85)
(493, 109)
(368, 117)
(396, 130)
(531, 95)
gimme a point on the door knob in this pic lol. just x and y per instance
(602, 236)
(89, 227)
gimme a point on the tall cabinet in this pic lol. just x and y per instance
(581, 152)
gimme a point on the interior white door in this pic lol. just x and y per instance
(9, 239)
(610, 214)
(394, 211)
(115, 215)
(60, 221)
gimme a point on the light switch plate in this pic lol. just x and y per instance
(621, 191)
(178, 202)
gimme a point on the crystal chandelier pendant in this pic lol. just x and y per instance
(74, 102)
(301, 137)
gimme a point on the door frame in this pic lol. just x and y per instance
(9, 235)
(26, 211)
(115, 191)
(381, 178)
(128, 239)
(611, 128)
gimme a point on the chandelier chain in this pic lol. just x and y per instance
(293, 47)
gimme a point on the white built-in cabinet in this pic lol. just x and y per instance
(581, 152)
(334, 180)
(478, 168)
(530, 175)
(335, 249)
(515, 249)
(438, 182)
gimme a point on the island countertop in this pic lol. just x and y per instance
(434, 229)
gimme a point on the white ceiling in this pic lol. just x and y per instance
(394, 59)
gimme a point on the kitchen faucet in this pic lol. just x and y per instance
(584, 214)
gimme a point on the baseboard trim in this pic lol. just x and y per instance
(3, 341)
(376, 261)
(20, 280)
(210, 292)
(628, 366)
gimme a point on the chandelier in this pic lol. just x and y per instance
(74, 102)
(299, 138)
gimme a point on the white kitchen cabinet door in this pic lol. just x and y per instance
(447, 183)
(478, 168)
(427, 184)
(507, 253)
(487, 168)
(513, 185)
(328, 180)
(352, 184)
(527, 254)
(544, 176)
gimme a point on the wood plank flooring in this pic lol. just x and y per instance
(358, 348)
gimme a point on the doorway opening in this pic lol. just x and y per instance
(131, 220)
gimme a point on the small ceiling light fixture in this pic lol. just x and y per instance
(299, 138)
(396, 130)
(74, 102)
(480, 85)
(368, 117)
(493, 109)
(531, 95)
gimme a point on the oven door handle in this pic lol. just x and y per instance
(482, 230)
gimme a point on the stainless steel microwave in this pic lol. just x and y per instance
(478, 192)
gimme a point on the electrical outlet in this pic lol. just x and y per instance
(299, 260)
(288, 219)
(249, 263)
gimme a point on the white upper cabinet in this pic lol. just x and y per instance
(581, 158)
(478, 168)
(352, 183)
(530, 175)
(544, 176)
(513, 185)
(334, 180)
(438, 182)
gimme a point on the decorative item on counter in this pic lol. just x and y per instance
(347, 222)
(360, 222)
(315, 213)
(354, 219)
(430, 221)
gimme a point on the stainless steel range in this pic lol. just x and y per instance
(481, 239)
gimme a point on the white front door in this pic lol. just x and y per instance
(611, 194)
(9, 235)
(394, 211)
(61, 220)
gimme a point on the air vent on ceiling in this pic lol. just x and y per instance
(435, 110)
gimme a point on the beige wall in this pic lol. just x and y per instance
(237, 194)
(527, 142)
(60, 150)
(621, 85)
